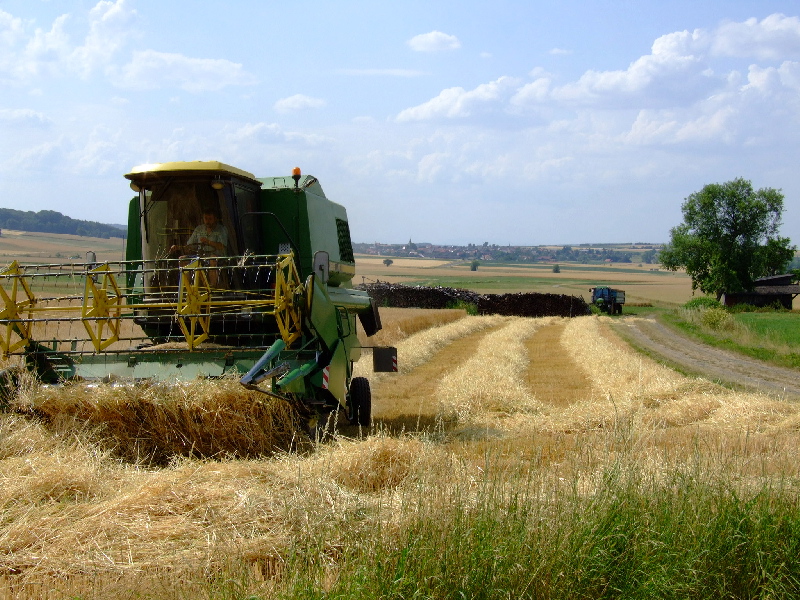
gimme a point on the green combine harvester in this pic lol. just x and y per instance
(223, 273)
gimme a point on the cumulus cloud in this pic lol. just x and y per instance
(457, 102)
(25, 55)
(99, 153)
(534, 92)
(435, 41)
(680, 95)
(41, 157)
(149, 69)
(51, 52)
(676, 71)
(24, 116)
(773, 38)
(272, 133)
(11, 29)
(109, 30)
(298, 102)
(430, 165)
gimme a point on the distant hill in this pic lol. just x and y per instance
(50, 221)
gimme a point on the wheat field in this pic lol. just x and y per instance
(103, 495)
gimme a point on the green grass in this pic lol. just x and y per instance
(783, 327)
(686, 535)
(773, 337)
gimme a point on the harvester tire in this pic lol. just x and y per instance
(361, 397)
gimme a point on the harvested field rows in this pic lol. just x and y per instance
(559, 403)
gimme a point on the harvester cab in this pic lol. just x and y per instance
(223, 272)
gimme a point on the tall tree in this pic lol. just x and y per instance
(729, 237)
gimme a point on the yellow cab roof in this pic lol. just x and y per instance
(207, 166)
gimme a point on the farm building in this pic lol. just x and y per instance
(767, 292)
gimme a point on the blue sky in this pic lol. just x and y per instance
(449, 122)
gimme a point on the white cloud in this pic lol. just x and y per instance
(46, 51)
(537, 91)
(713, 126)
(775, 37)
(458, 103)
(42, 157)
(51, 52)
(771, 80)
(272, 133)
(11, 30)
(99, 154)
(149, 69)
(24, 116)
(430, 165)
(559, 51)
(435, 41)
(674, 72)
(298, 102)
(109, 30)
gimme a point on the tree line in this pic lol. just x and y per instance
(50, 221)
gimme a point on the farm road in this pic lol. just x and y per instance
(709, 362)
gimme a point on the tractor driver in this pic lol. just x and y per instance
(210, 237)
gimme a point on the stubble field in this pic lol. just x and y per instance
(509, 456)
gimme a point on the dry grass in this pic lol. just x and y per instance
(420, 347)
(400, 323)
(626, 383)
(151, 424)
(553, 375)
(492, 380)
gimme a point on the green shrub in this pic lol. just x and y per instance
(702, 302)
(743, 308)
(717, 318)
(471, 308)
(749, 308)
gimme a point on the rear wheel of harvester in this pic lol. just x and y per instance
(361, 402)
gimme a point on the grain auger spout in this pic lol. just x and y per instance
(224, 273)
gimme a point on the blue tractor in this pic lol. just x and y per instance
(608, 299)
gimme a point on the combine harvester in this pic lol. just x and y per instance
(223, 273)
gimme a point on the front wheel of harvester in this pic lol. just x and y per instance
(361, 399)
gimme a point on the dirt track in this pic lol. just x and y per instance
(706, 361)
